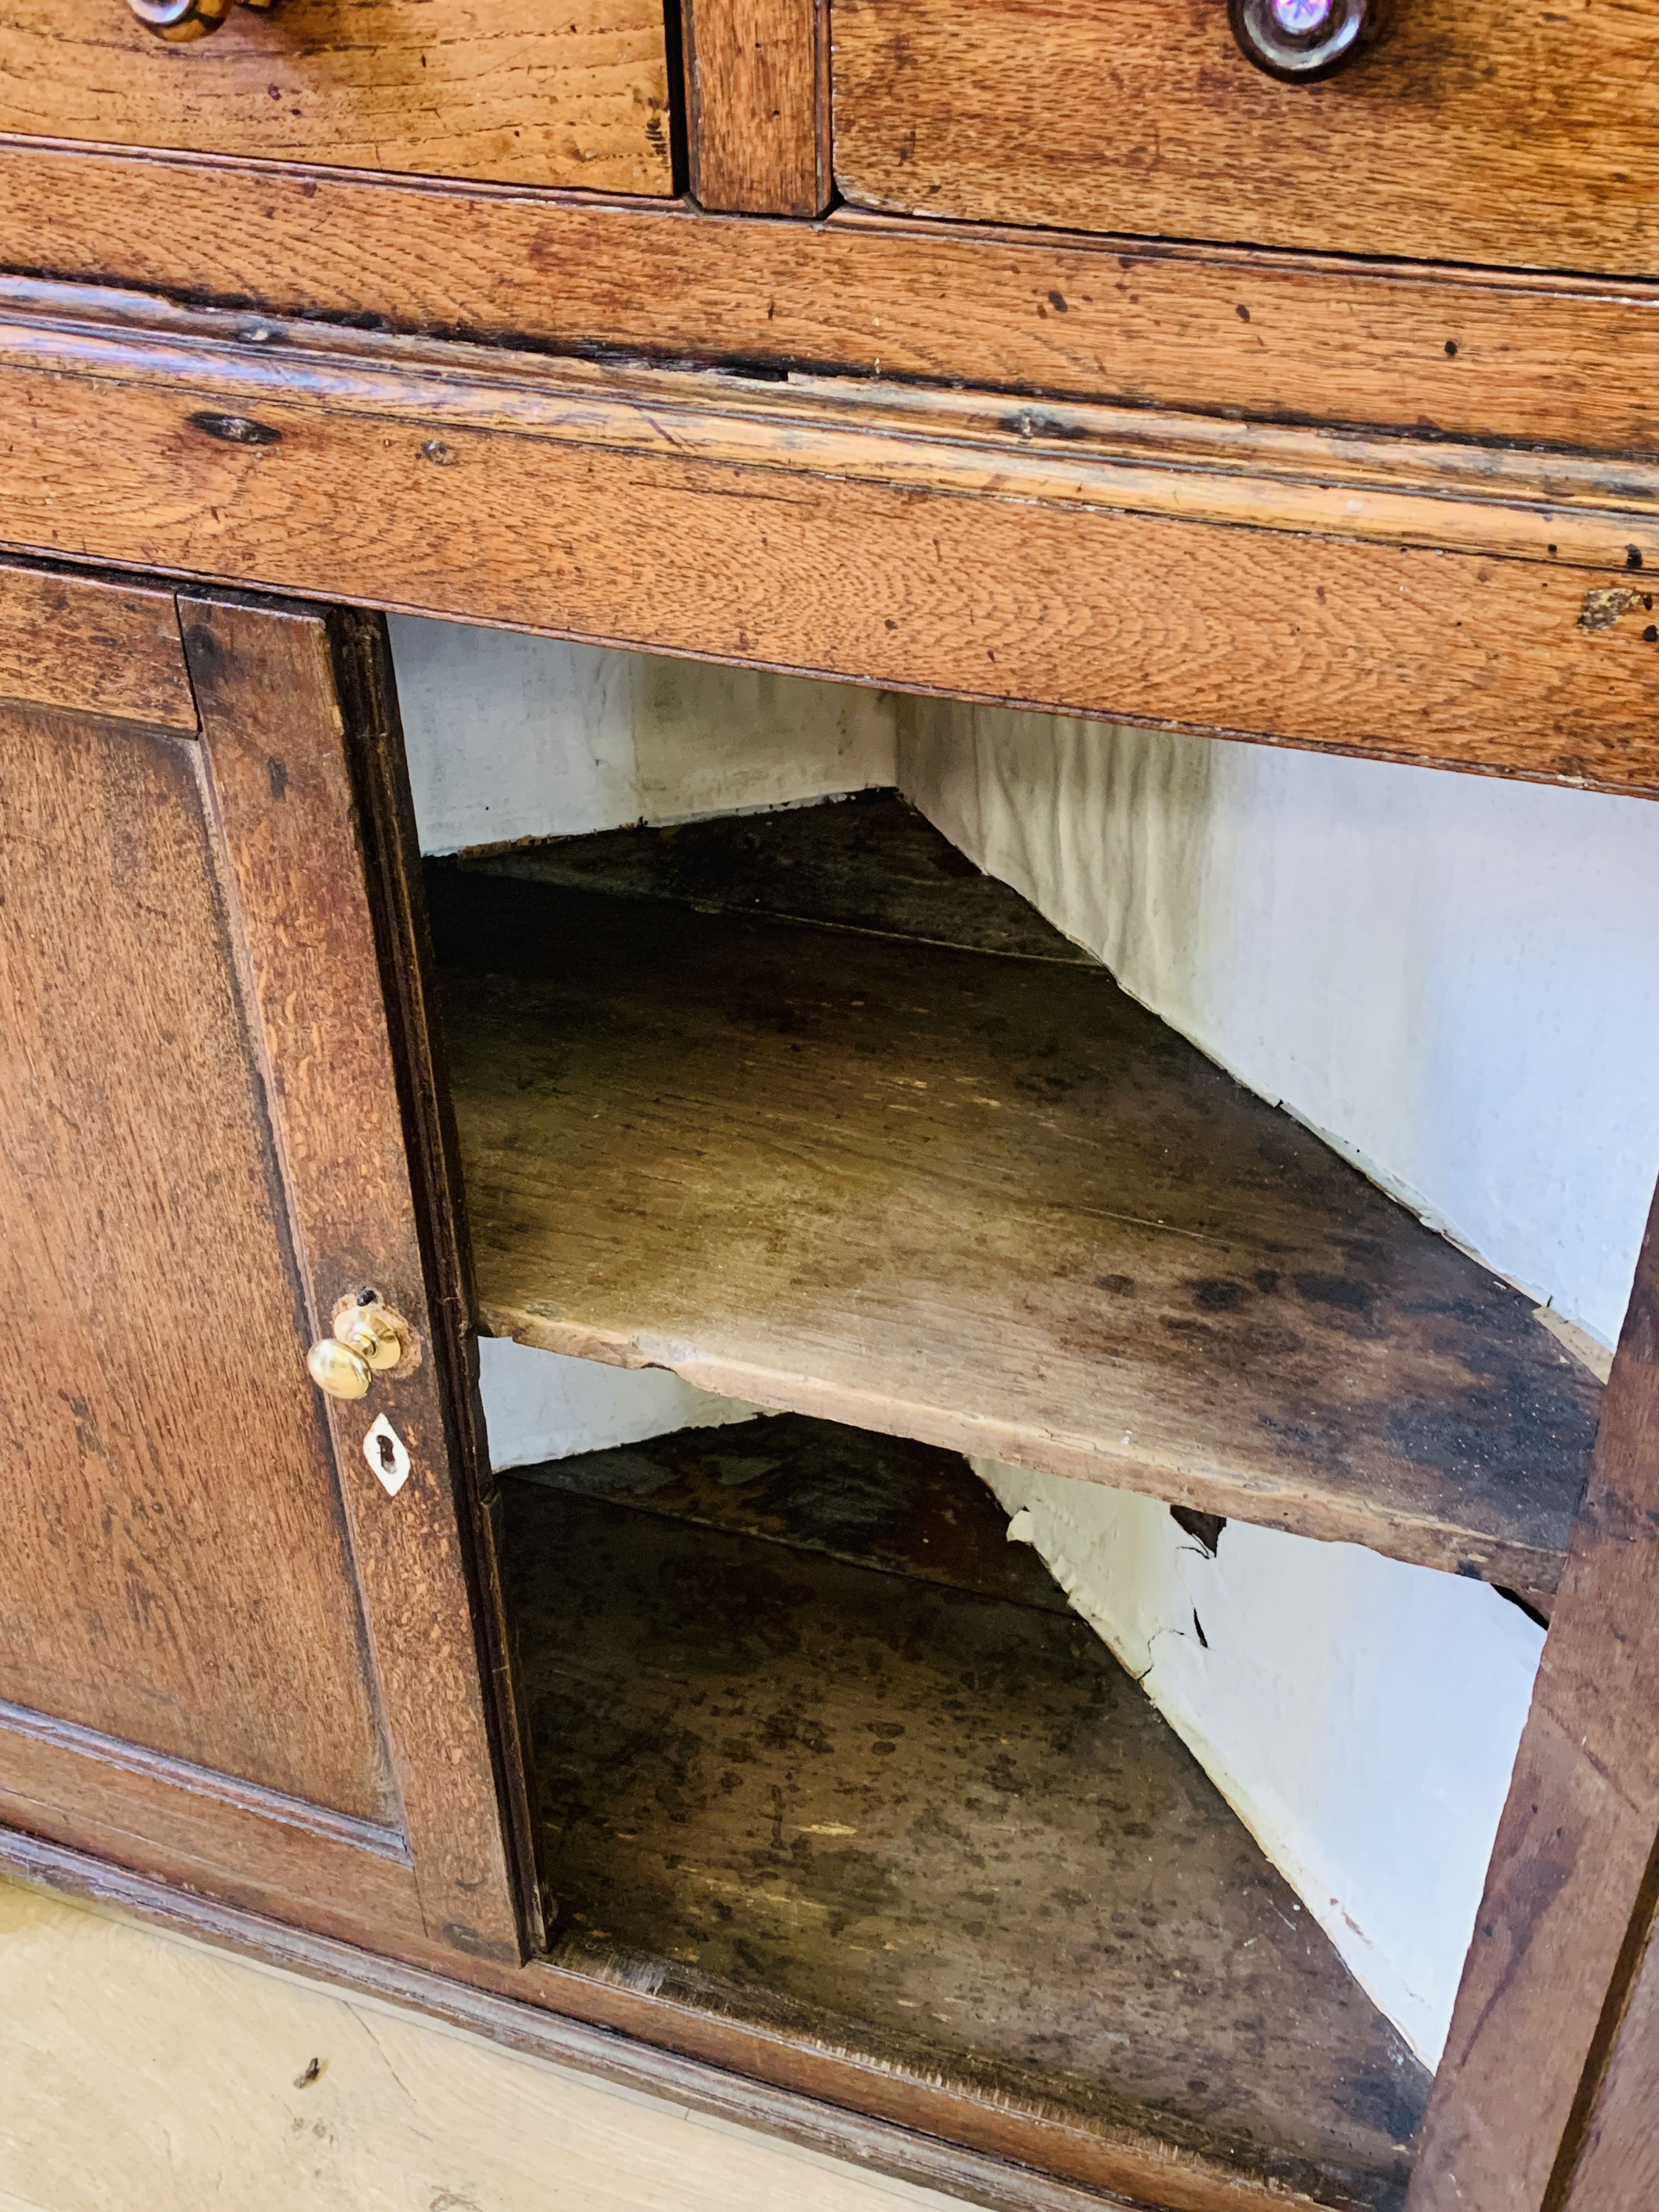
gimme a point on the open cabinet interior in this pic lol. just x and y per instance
(806, 1108)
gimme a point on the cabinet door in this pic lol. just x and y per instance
(234, 1652)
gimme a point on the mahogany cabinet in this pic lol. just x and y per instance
(1069, 357)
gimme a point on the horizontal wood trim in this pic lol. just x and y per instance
(178, 1823)
(169, 441)
(1568, 509)
(16, 1722)
(918, 2132)
(89, 648)
(1294, 337)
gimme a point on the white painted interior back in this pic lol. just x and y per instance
(1446, 977)
(517, 737)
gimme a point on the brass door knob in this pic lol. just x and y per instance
(369, 1340)
(179, 21)
(1300, 41)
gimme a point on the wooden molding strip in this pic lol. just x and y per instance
(1562, 360)
(1392, 598)
(1569, 509)
(1002, 2183)
(18, 1722)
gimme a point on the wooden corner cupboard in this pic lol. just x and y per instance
(1281, 370)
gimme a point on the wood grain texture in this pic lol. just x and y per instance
(757, 88)
(708, 2090)
(1614, 2164)
(272, 724)
(990, 1204)
(1552, 1956)
(1553, 359)
(445, 88)
(188, 1825)
(842, 1802)
(141, 1516)
(99, 648)
(1523, 137)
(397, 898)
(595, 520)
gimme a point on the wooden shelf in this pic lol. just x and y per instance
(983, 1200)
(892, 1809)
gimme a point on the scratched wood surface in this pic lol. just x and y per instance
(936, 1828)
(1521, 136)
(301, 846)
(1549, 2058)
(442, 89)
(1560, 360)
(987, 1202)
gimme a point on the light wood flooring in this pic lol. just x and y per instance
(140, 2072)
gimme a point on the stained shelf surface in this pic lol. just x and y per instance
(893, 1809)
(715, 1118)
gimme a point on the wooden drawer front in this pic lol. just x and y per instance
(1523, 137)
(517, 95)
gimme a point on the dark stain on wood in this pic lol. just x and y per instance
(993, 1205)
(881, 1502)
(935, 1829)
(872, 862)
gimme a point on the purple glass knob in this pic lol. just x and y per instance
(1302, 40)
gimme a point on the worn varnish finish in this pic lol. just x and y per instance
(516, 95)
(938, 1828)
(984, 1202)
(138, 1195)
(598, 519)
(1569, 1896)
(1518, 137)
(229, 1658)
(396, 902)
(1563, 361)
(757, 93)
(283, 780)
(100, 648)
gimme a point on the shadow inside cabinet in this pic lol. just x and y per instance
(809, 1111)
(818, 1751)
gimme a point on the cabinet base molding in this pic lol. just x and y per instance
(1389, 597)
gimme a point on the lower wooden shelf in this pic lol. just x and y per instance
(910, 1810)
(806, 1150)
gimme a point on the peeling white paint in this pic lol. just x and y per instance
(539, 1405)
